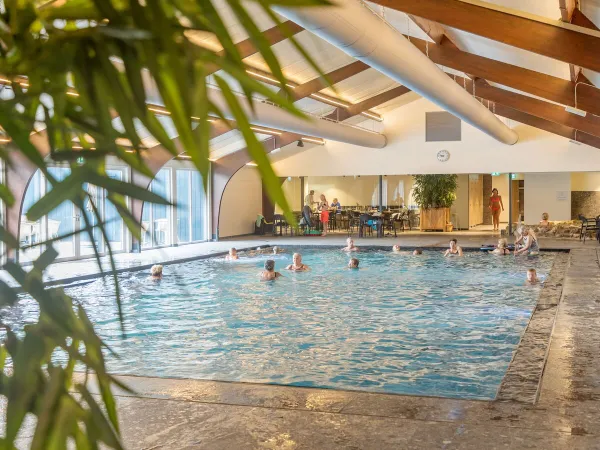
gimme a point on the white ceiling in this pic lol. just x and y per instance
(370, 82)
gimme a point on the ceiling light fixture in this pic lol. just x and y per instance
(159, 110)
(252, 164)
(5, 140)
(184, 157)
(264, 77)
(329, 100)
(265, 130)
(577, 111)
(313, 140)
(372, 116)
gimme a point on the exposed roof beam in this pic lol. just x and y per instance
(570, 12)
(341, 114)
(316, 84)
(549, 38)
(539, 108)
(312, 87)
(542, 124)
(566, 9)
(274, 35)
(546, 86)
(581, 20)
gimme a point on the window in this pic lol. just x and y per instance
(66, 219)
(155, 218)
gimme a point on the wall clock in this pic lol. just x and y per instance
(443, 155)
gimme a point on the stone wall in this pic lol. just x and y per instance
(586, 203)
(487, 191)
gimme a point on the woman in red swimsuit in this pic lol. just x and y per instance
(496, 206)
(324, 208)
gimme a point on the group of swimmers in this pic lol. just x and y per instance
(526, 243)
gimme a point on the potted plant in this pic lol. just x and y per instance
(435, 194)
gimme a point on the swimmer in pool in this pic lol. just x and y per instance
(529, 241)
(269, 273)
(532, 277)
(277, 250)
(350, 246)
(156, 272)
(232, 256)
(454, 249)
(396, 248)
(297, 265)
(353, 263)
(417, 251)
(501, 249)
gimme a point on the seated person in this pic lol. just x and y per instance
(544, 222)
(396, 248)
(269, 273)
(532, 277)
(336, 204)
(277, 250)
(529, 241)
(353, 263)
(156, 272)
(297, 265)
(501, 249)
(454, 249)
(417, 251)
(350, 246)
(232, 255)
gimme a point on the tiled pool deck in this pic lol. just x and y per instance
(550, 398)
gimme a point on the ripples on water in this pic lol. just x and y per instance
(401, 324)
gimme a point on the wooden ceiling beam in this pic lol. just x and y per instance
(545, 86)
(539, 108)
(555, 40)
(317, 84)
(341, 114)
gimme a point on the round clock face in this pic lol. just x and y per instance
(443, 155)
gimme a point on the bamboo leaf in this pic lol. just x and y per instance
(125, 188)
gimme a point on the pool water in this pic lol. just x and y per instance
(420, 325)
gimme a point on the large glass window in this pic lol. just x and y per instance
(66, 219)
(155, 218)
(183, 206)
(198, 210)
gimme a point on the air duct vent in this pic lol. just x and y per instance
(442, 126)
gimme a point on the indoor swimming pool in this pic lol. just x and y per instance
(419, 325)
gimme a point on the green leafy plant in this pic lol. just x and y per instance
(70, 69)
(435, 191)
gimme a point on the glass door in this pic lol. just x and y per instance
(61, 221)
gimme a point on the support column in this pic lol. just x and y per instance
(380, 193)
(301, 193)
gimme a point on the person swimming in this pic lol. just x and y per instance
(396, 248)
(417, 251)
(156, 272)
(350, 246)
(529, 241)
(269, 273)
(297, 265)
(501, 249)
(532, 277)
(232, 255)
(277, 250)
(454, 249)
(353, 263)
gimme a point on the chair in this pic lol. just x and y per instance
(279, 221)
(587, 225)
(363, 221)
(353, 221)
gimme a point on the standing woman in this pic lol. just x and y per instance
(496, 205)
(324, 208)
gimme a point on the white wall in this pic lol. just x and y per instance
(582, 181)
(291, 189)
(459, 213)
(408, 153)
(241, 203)
(547, 192)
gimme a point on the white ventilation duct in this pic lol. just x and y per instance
(354, 29)
(271, 116)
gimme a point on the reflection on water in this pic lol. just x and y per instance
(401, 324)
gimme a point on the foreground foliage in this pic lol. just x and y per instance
(70, 68)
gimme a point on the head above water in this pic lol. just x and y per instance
(156, 270)
(232, 251)
(502, 243)
(417, 251)
(531, 275)
(350, 242)
(275, 250)
(297, 258)
(269, 265)
(453, 243)
(353, 263)
(396, 248)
